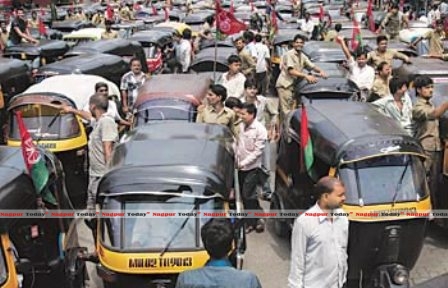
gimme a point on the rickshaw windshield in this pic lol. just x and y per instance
(165, 109)
(155, 232)
(150, 51)
(45, 122)
(280, 50)
(385, 179)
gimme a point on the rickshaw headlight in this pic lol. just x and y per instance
(400, 275)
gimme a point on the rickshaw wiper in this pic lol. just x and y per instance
(400, 182)
(181, 227)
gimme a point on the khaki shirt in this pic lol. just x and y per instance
(109, 35)
(4, 37)
(33, 23)
(226, 117)
(380, 87)
(331, 35)
(393, 23)
(376, 58)
(98, 20)
(125, 13)
(426, 126)
(435, 42)
(247, 63)
(292, 60)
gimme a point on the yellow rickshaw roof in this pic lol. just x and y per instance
(94, 33)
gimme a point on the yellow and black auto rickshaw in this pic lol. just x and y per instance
(64, 134)
(161, 200)
(387, 200)
(37, 246)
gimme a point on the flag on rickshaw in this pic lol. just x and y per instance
(274, 26)
(154, 10)
(232, 8)
(356, 36)
(109, 12)
(370, 17)
(34, 162)
(42, 28)
(167, 14)
(226, 21)
(307, 155)
(321, 13)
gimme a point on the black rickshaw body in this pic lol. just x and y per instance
(42, 250)
(395, 45)
(155, 45)
(356, 143)
(111, 67)
(212, 43)
(205, 61)
(323, 51)
(48, 51)
(183, 176)
(68, 26)
(171, 97)
(120, 47)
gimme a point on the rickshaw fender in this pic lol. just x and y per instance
(390, 276)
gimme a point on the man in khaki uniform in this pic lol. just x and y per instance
(248, 63)
(33, 22)
(215, 112)
(109, 33)
(125, 13)
(380, 86)
(394, 22)
(293, 63)
(426, 121)
(4, 35)
(435, 39)
(382, 53)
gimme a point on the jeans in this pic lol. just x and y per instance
(92, 190)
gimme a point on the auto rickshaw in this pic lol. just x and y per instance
(356, 143)
(68, 26)
(436, 70)
(170, 97)
(63, 134)
(171, 27)
(83, 35)
(14, 78)
(323, 51)
(205, 60)
(39, 246)
(111, 67)
(197, 19)
(191, 171)
(47, 51)
(155, 44)
(124, 48)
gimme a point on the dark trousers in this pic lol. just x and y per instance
(249, 181)
(433, 165)
(262, 81)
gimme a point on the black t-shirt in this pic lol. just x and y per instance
(13, 36)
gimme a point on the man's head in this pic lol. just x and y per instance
(177, 36)
(186, 34)
(394, 9)
(384, 69)
(330, 193)
(34, 15)
(338, 27)
(381, 42)
(136, 65)
(216, 94)
(398, 86)
(234, 63)
(307, 16)
(98, 103)
(248, 113)
(102, 89)
(235, 104)
(361, 56)
(108, 24)
(439, 26)
(258, 38)
(3, 26)
(250, 88)
(424, 86)
(298, 42)
(239, 43)
(248, 36)
(20, 13)
(217, 236)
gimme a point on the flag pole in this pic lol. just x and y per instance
(216, 41)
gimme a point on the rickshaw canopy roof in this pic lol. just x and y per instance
(188, 87)
(46, 48)
(198, 17)
(178, 153)
(160, 38)
(344, 131)
(287, 36)
(77, 88)
(337, 87)
(11, 67)
(424, 66)
(171, 26)
(323, 51)
(112, 46)
(91, 33)
(204, 60)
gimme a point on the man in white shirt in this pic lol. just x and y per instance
(359, 72)
(233, 80)
(263, 61)
(319, 244)
(249, 37)
(307, 25)
(184, 51)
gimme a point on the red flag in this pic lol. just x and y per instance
(370, 17)
(321, 13)
(109, 12)
(252, 6)
(167, 15)
(231, 9)
(274, 24)
(42, 28)
(356, 36)
(42, 12)
(226, 22)
(154, 10)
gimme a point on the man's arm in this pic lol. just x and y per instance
(298, 254)
(109, 134)
(107, 148)
(421, 113)
(86, 115)
(25, 35)
(124, 94)
(383, 24)
(344, 47)
(401, 56)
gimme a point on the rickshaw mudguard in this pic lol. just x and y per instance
(151, 263)
(8, 254)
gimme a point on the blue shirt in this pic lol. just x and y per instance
(217, 274)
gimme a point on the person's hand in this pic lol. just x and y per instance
(378, 31)
(36, 42)
(66, 108)
(311, 79)
(412, 46)
(125, 109)
(339, 39)
(323, 74)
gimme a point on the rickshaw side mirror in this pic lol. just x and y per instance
(24, 266)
